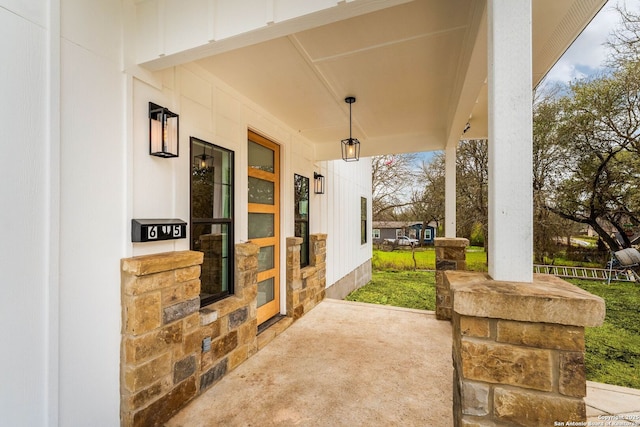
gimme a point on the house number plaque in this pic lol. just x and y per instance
(151, 230)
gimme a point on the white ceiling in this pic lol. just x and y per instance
(417, 70)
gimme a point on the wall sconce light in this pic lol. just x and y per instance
(350, 146)
(163, 132)
(318, 183)
(204, 160)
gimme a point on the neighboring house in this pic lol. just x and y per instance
(388, 230)
(259, 89)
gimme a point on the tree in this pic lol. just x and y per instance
(624, 41)
(471, 189)
(472, 181)
(598, 133)
(548, 158)
(427, 202)
(392, 180)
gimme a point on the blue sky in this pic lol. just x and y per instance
(587, 54)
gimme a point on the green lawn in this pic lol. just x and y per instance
(425, 259)
(612, 350)
(409, 289)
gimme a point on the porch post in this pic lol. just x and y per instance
(510, 140)
(450, 191)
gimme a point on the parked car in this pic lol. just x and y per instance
(403, 241)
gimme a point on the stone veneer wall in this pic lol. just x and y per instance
(450, 255)
(518, 350)
(306, 286)
(163, 364)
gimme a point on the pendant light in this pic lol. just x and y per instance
(350, 146)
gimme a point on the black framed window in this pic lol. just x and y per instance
(301, 215)
(363, 220)
(212, 217)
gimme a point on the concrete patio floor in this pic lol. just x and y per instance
(342, 364)
(352, 364)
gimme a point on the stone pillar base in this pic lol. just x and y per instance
(450, 255)
(518, 349)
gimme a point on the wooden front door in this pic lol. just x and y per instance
(264, 220)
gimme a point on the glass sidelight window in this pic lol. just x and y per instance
(212, 217)
(363, 220)
(301, 215)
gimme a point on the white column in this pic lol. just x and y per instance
(510, 140)
(450, 191)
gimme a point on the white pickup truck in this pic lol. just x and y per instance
(403, 241)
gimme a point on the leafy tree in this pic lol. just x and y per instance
(471, 189)
(597, 138)
(392, 180)
(427, 202)
(472, 180)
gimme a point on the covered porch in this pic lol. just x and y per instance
(347, 363)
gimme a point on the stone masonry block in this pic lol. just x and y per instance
(247, 332)
(459, 242)
(143, 313)
(180, 310)
(184, 368)
(139, 285)
(440, 280)
(542, 335)
(506, 364)
(164, 408)
(227, 305)
(145, 347)
(573, 377)
(548, 299)
(172, 295)
(475, 422)
(155, 263)
(213, 375)
(191, 322)
(224, 345)
(443, 313)
(143, 397)
(208, 316)
(187, 274)
(238, 356)
(246, 249)
(142, 376)
(247, 263)
(191, 289)
(523, 408)
(238, 317)
(457, 254)
(475, 327)
(446, 265)
(475, 398)
(292, 242)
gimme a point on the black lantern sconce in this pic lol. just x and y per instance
(318, 183)
(163, 132)
(203, 161)
(350, 146)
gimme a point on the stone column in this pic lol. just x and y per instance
(305, 286)
(172, 349)
(450, 255)
(518, 350)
